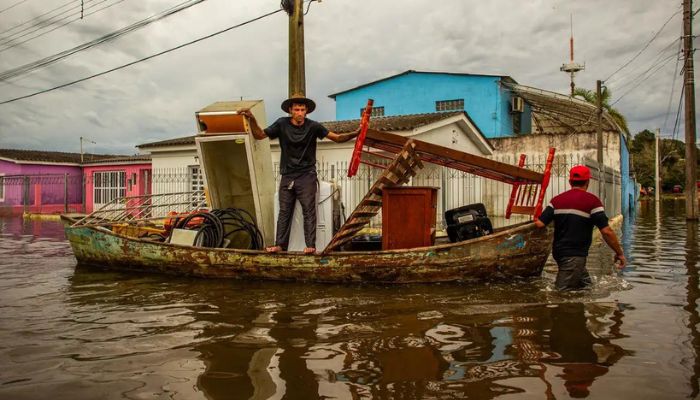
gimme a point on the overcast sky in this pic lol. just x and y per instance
(348, 42)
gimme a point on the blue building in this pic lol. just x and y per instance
(485, 98)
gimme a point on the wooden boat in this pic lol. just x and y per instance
(517, 251)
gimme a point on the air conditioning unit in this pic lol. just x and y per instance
(518, 104)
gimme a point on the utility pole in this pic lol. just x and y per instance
(691, 191)
(599, 104)
(657, 167)
(297, 76)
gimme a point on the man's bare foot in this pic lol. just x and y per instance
(273, 249)
(310, 250)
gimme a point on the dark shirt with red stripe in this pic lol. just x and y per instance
(575, 213)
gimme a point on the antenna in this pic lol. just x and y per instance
(572, 68)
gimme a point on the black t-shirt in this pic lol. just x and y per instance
(298, 144)
(575, 213)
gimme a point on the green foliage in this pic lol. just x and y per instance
(591, 96)
(671, 153)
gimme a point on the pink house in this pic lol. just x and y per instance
(116, 177)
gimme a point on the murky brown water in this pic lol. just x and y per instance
(86, 334)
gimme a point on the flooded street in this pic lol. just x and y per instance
(68, 333)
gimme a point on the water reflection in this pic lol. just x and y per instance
(276, 341)
(83, 333)
(691, 264)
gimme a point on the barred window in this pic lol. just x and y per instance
(108, 185)
(376, 111)
(449, 105)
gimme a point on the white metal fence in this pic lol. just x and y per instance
(455, 188)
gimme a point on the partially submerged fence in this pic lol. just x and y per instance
(61, 193)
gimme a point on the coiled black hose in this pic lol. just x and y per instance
(219, 224)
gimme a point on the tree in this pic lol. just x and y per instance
(671, 152)
(591, 96)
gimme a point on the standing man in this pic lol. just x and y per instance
(575, 213)
(297, 135)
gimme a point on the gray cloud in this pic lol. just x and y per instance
(348, 42)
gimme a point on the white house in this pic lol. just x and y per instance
(176, 167)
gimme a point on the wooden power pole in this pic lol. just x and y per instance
(297, 76)
(691, 192)
(599, 104)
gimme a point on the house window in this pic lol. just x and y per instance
(2, 187)
(196, 183)
(109, 185)
(449, 105)
(376, 112)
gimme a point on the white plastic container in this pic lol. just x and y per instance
(324, 219)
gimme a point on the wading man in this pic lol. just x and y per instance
(297, 136)
(575, 213)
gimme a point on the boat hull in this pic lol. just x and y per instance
(518, 252)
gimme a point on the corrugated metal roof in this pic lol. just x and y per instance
(50, 156)
(556, 113)
(506, 77)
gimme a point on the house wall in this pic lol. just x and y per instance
(485, 101)
(580, 144)
(170, 169)
(629, 191)
(39, 187)
(134, 186)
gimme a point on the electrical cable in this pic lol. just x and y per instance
(13, 6)
(33, 66)
(210, 231)
(657, 57)
(678, 113)
(238, 220)
(673, 87)
(13, 45)
(215, 226)
(645, 46)
(142, 59)
(46, 23)
(38, 17)
(645, 78)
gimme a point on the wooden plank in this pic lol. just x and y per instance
(376, 139)
(523, 210)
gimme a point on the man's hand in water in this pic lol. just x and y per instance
(620, 261)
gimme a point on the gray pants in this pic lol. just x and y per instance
(572, 273)
(302, 188)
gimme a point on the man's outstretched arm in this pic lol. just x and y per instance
(611, 239)
(342, 137)
(257, 131)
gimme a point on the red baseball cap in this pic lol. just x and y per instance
(579, 173)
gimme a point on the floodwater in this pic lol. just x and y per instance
(76, 333)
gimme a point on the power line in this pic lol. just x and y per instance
(143, 59)
(660, 66)
(59, 26)
(678, 113)
(33, 66)
(13, 6)
(645, 46)
(658, 56)
(36, 18)
(673, 87)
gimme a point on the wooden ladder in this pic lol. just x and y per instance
(404, 166)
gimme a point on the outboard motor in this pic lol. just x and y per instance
(467, 222)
